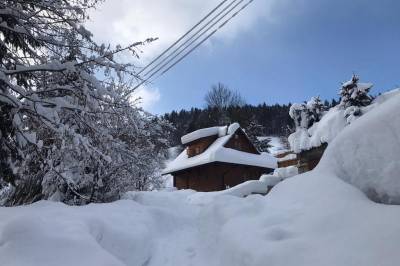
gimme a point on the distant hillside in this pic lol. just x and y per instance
(274, 120)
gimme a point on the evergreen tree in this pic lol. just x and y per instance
(354, 93)
(315, 109)
(254, 131)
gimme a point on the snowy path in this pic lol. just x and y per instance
(323, 222)
(188, 237)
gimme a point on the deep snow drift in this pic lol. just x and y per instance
(367, 153)
(310, 219)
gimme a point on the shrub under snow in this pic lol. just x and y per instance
(315, 128)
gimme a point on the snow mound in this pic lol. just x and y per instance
(286, 172)
(232, 128)
(279, 175)
(367, 153)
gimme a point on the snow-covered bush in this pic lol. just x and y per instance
(354, 93)
(306, 114)
(68, 129)
(300, 115)
(315, 125)
(367, 153)
(354, 96)
(316, 109)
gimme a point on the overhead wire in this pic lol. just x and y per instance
(146, 80)
(194, 35)
(183, 36)
(204, 39)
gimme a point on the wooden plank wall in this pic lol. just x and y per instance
(217, 176)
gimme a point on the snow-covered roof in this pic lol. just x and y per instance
(210, 131)
(217, 152)
(290, 156)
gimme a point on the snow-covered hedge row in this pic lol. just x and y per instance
(314, 126)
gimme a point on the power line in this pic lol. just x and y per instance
(184, 35)
(193, 41)
(194, 35)
(206, 38)
(197, 45)
(201, 42)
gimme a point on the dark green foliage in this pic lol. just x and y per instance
(274, 119)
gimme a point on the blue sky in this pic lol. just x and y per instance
(300, 49)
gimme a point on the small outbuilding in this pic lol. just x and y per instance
(217, 158)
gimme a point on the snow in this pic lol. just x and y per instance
(314, 218)
(216, 152)
(277, 146)
(205, 132)
(279, 175)
(244, 189)
(290, 156)
(376, 148)
(210, 131)
(310, 219)
(232, 128)
(331, 124)
(323, 131)
(286, 172)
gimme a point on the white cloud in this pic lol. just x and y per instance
(146, 97)
(127, 21)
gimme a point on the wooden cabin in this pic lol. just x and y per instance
(218, 158)
(305, 160)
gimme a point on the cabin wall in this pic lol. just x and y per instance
(217, 176)
(240, 142)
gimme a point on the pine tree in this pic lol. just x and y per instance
(315, 109)
(354, 93)
(254, 131)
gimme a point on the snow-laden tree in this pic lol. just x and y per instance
(300, 115)
(316, 109)
(306, 114)
(65, 133)
(354, 95)
(254, 131)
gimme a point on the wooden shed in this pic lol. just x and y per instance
(218, 158)
(309, 159)
(305, 160)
